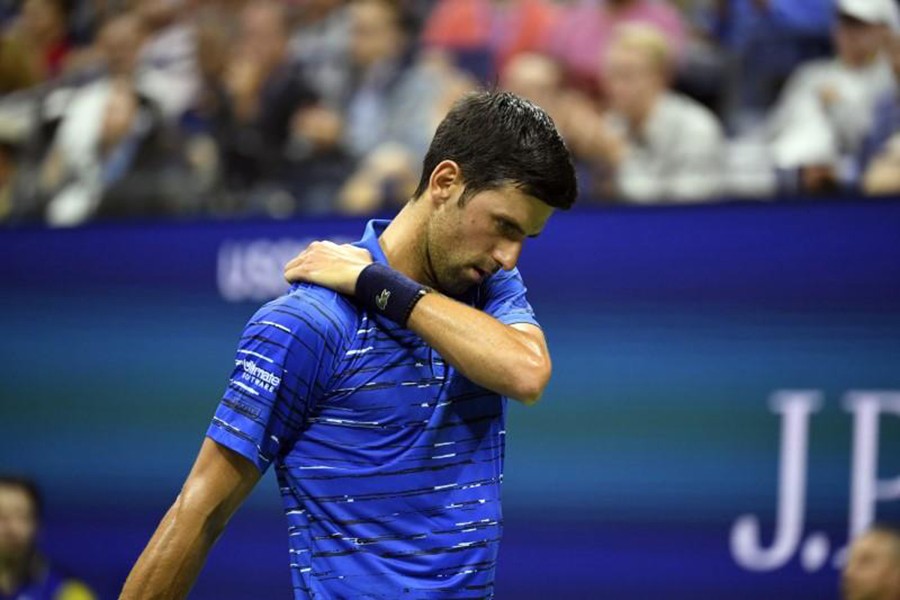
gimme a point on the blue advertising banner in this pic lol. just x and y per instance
(722, 419)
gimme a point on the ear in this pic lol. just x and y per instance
(446, 182)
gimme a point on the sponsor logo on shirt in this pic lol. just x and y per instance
(258, 376)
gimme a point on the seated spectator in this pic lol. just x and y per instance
(654, 145)
(872, 571)
(267, 113)
(390, 95)
(167, 67)
(393, 108)
(320, 46)
(538, 78)
(583, 32)
(826, 109)
(767, 40)
(110, 157)
(880, 160)
(24, 572)
(491, 32)
(119, 42)
(35, 48)
(112, 153)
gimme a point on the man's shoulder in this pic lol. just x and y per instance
(310, 309)
(501, 283)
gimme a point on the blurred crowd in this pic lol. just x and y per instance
(114, 108)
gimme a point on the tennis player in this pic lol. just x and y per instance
(377, 386)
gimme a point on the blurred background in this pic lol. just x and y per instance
(722, 304)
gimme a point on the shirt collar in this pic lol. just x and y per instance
(369, 241)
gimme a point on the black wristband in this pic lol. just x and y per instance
(387, 292)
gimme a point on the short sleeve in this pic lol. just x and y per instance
(505, 299)
(283, 362)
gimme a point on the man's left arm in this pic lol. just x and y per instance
(512, 360)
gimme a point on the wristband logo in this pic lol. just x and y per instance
(381, 300)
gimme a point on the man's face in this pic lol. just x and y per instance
(374, 33)
(873, 568)
(120, 42)
(42, 18)
(858, 43)
(466, 244)
(262, 37)
(18, 523)
(632, 80)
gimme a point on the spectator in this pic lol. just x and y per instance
(24, 572)
(320, 45)
(489, 31)
(268, 110)
(583, 33)
(826, 109)
(111, 153)
(390, 94)
(880, 158)
(120, 41)
(35, 48)
(654, 144)
(538, 78)
(393, 107)
(767, 40)
(872, 571)
(167, 67)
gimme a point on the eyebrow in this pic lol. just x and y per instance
(518, 228)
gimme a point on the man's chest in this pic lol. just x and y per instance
(390, 390)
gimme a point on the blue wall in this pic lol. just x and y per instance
(671, 330)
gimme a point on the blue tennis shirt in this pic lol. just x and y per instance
(389, 460)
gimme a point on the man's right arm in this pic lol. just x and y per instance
(219, 482)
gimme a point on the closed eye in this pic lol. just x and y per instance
(510, 230)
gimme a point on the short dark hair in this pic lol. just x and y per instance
(498, 138)
(31, 490)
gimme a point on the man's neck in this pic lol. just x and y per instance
(403, 243)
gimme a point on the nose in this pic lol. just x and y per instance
(507, 253)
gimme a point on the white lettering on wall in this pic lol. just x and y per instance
(252, 270)
(866, 489)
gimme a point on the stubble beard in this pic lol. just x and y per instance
(438, 267)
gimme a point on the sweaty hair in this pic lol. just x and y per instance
(31, 490)
(498, 138)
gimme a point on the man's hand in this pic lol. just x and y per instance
(329, 265)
